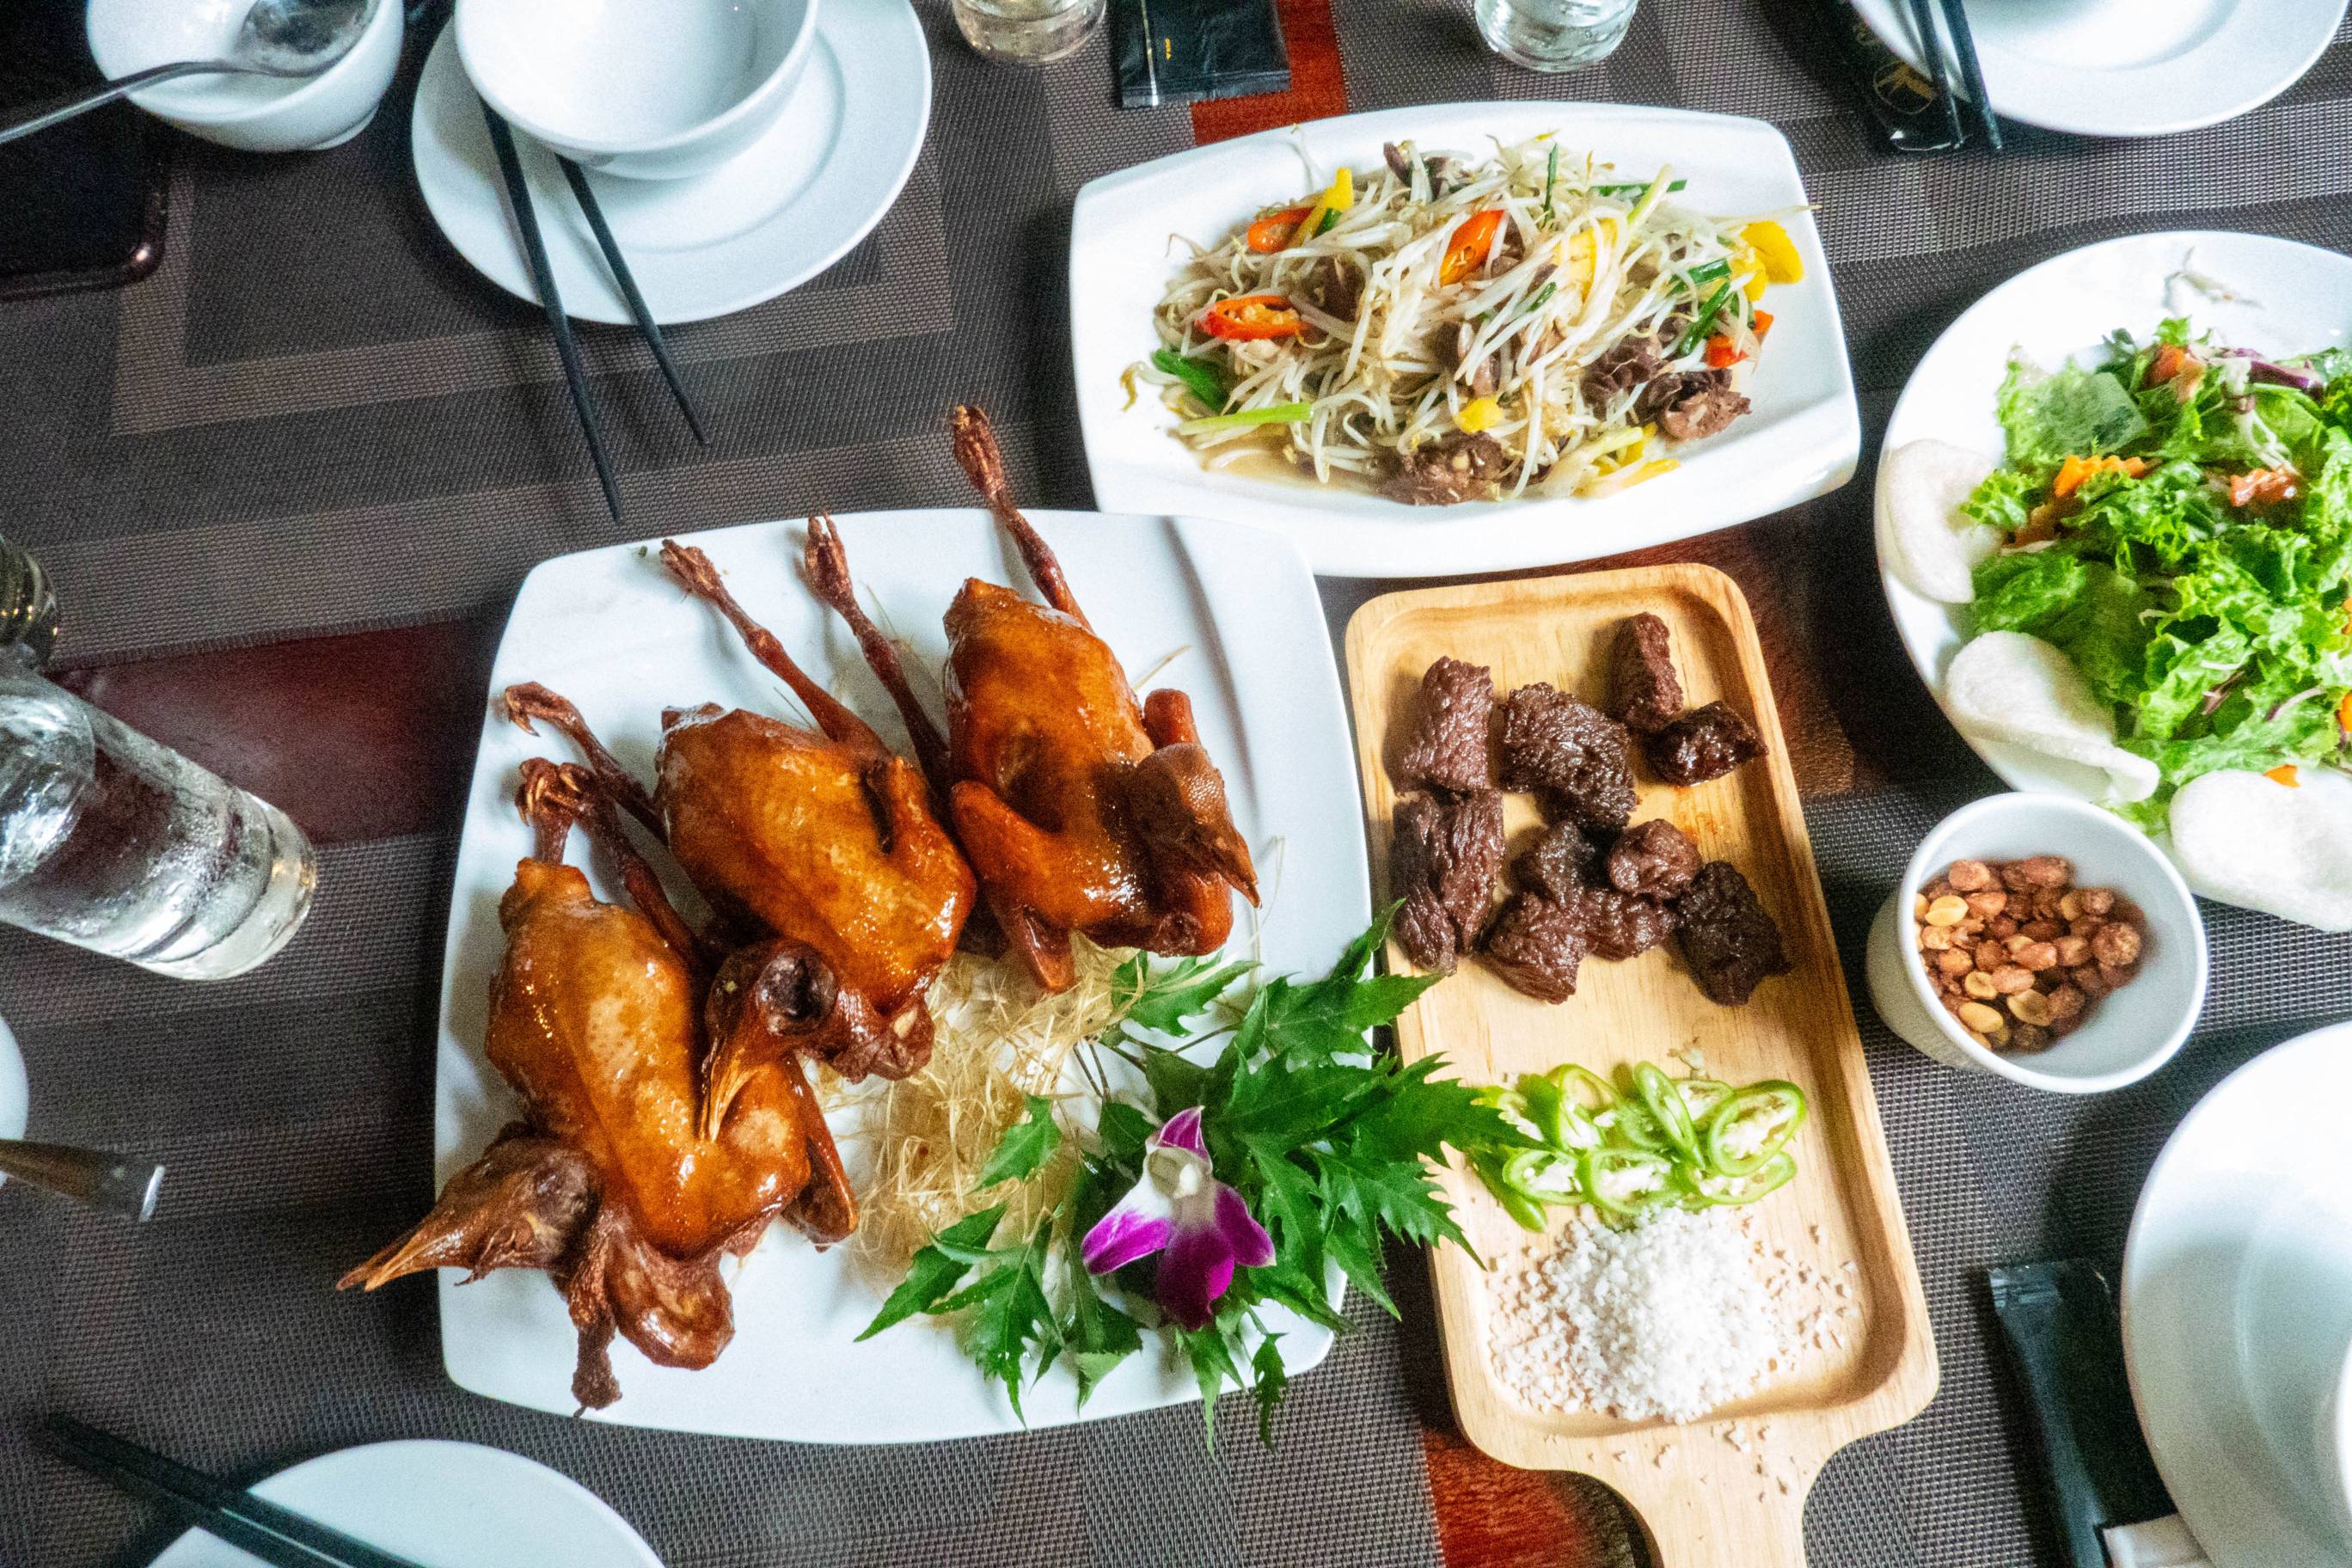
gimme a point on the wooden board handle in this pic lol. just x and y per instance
(1736, 1518)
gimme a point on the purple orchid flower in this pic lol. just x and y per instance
(1180, 1207)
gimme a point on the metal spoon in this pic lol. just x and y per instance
(123, 1185)
(279, 38)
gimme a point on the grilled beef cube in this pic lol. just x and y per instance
(1580, 759)
(1444, 856)
(1536, 945)
(1653, 860)
(1449, 746)
(1728, 937)
(1704, 743)
(1644, 693)
(1559, 863)
(1618, 927)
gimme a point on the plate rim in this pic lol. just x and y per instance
(1307, 1348)
(2229, 1542)
(1826, 434)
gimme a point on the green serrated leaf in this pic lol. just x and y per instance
(1167, 998)
(1175, 1083)
(1027, 1144)
(1270, 1385)
(1214, 1368)
(1122, 1129)
(1009, 1314)
(1096, 1333)
(1346, 1247)
(935, 1271)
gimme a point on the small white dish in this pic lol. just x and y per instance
(256, 114)
(1227, 613)
(2237, 1307)
(453, 1505)
(2289, 299)
(2129, 67)
(2335, 1444)
(777, 212)
(1800, 440)
(636, 90)
(2130, 1033)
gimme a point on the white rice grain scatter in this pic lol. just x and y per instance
(1672, 1318)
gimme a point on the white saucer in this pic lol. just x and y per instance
(774, 216)
(2130, 67)
(2237, 1305)
(451, 1505)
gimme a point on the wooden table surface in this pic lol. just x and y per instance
(372, 735)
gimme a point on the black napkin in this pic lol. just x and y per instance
(1181, 51)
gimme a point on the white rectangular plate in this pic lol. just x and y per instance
(1232, 613)
(1800, 440)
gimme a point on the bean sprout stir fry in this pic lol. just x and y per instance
(1450, 330)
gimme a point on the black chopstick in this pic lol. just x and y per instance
(1931, 53)
(274, 1534)
(647, 325)
(543, 277)
(1964, 43)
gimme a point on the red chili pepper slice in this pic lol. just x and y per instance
(1275, 231)
(1466, 252)
(1249, 316)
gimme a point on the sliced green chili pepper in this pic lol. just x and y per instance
(1636, 1126)
(1200, 378)
(1627, 1183)
(1665, 1104)
(1584, 1085)
(1517, 1204)
(1702, 1095)
(1710, 1190)
(1744, 1133)
(1543, 1176)
(1545, 1105)
(1280, 413)
(1701, 324)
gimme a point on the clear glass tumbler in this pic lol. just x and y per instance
(112, 842)
(1555, 35)
(28, 610)
(1026, 32)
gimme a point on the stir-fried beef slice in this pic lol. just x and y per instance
(1559, 862)
(1480, 382)
(1702, 414)
(1335, 287)
(1449, 747)
(1578, 757)
(1643, 691)
(1704, 743)
(1457, 467)
(1632, 363)
(1445, 858)
(1728, 937)
(1536, 945)
(1618, 927)
(1653, 860)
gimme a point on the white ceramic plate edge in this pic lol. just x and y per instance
(1761, 465)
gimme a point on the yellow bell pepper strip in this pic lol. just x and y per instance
(2285, 774)
(1277, 231)
(1478, 413)
(1328, 208)
(1778, 252)
(1246, 317)
(2344, 714)
(1280, 413)
(1466, 251)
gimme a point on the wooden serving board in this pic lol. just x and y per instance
(1696, 1487)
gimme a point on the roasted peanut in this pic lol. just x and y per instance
(1948, 909)
(2066, 1002)
(1935, 939)
(1978, 985)
(2001, 927)
(1919, 906)
(1991, 955)
(1952, 961)
(2073, 952)
(2027, 1039)
(2037, 956)
(2031, 1008)
(1935, 887)
(1980, 1018)
(2117, 944)
(2043, 931)
(2089, 981)
(2009, 979)
(1984, 906)
(2096, 900)
(2113, 977)
(2070, 908)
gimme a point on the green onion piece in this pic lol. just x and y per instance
(1551, 175)
(1627, 1183)
(1201, 379)
(1280, 413)
(1657, 188)
(1710, 1190)
(1536, 301)
(1744, 1133)
(1632, 190)
(1704, 323)
(1665, 1104)
(1720, 268)
(1331, 216)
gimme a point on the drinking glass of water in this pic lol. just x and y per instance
(112, 842)
(28, 609)
(1026, 32)
(1554, 34)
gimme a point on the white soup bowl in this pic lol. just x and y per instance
(255, 113)
(655, 90)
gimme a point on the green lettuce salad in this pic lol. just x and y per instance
(2178, 519)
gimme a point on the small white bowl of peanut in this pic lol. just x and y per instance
(2044, 940)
